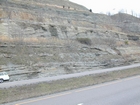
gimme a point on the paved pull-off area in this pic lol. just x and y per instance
(121, 92)
(33, 81)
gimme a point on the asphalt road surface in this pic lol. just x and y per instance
(120, 92)
(33, 81)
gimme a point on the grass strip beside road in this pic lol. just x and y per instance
(46, 88)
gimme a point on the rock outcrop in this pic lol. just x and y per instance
(52, 37)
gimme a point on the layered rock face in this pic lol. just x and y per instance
(51, 37)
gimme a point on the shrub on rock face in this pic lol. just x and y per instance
(86, 41)
(126, 42)
(90, 10)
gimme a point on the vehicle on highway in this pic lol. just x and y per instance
(4, 77)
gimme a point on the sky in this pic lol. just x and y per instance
(112, 6)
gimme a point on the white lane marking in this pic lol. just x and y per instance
(80, 104)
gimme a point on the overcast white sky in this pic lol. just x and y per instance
(113, 6)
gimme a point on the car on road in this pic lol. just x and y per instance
(4, 77)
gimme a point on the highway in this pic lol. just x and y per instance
(120, 92)
(66, 76)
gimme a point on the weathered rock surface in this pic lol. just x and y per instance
(52, 37)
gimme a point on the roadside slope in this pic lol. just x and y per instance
(62, 77)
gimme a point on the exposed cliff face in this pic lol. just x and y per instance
(51, 37)
(39, 18)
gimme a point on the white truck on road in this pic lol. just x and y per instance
(4, 77)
